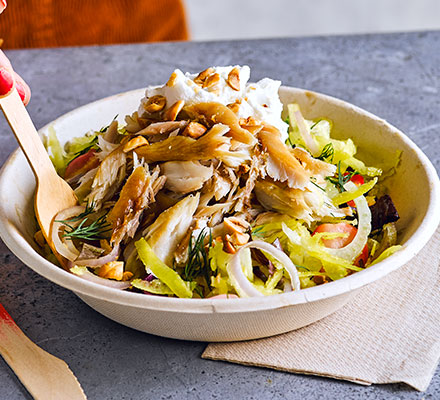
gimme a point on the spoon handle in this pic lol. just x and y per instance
(26, 135)
(45, 376)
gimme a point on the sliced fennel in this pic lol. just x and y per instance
(354, 248)
(241, 283)
(345, 197)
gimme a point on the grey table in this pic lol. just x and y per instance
(395, 76)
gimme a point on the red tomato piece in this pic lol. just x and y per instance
(358, 180)
(81, 164)
(340, 242)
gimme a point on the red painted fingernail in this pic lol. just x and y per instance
(20, 90)
(6, 82)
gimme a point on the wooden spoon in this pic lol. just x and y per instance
(53, 194)
(45, 376)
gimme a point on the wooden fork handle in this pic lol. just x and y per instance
(45, 377)
(26, 134)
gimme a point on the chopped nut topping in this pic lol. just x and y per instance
(239, 239)
(112, 270)
(134, 143)
(172, 81)
(200, 78)
(155, 104)
(211, 81)
(228, 247)
(251, 124)
(234, 79)
(194, 130)
(249, 121)
(235, 106)
(235, 225)
(173, 111)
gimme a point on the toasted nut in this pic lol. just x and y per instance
(200, 78)
(134, 143)
(211, 81)
(172, 81)
(249, 121)
(173, 111)
(228, 247)
(39, 238)
(251, 124)
(239, 239)
(234, 79)
(155, 104)
(127, 275)
(112, 270)
(235, 225)
(235, 107)
(194, 130)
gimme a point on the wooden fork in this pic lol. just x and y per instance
(53, 194)
(45, 376)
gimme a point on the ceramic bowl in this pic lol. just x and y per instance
(414, 189)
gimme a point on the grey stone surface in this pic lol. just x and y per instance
(395, 76)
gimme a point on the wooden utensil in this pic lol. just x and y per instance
(45, 376)
(53, 194)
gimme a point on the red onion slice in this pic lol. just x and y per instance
(242, 285)
(66, 247)
(97, 262)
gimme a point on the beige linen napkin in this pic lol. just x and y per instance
(389, 332)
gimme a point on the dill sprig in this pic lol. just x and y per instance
(258, 231)
(313, 182)
(315, 123)
(327, 152)
(90, 208)
(95, 231)
(341, 179)
(198, 258)
(92, 231)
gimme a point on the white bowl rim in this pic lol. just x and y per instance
(19, 246)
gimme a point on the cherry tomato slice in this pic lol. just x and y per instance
(340, 242)
(81, 164)
(358, 180)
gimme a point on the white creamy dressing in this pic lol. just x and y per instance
(259, 100)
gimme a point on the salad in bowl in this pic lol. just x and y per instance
(212, 189)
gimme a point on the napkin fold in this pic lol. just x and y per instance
(389, 332)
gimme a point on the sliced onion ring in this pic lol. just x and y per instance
(242, 285)
(91, 277)
(355, 247)
(65, 248)
(97, 262)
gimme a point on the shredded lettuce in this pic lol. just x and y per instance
(56, 153)
(386, 253)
